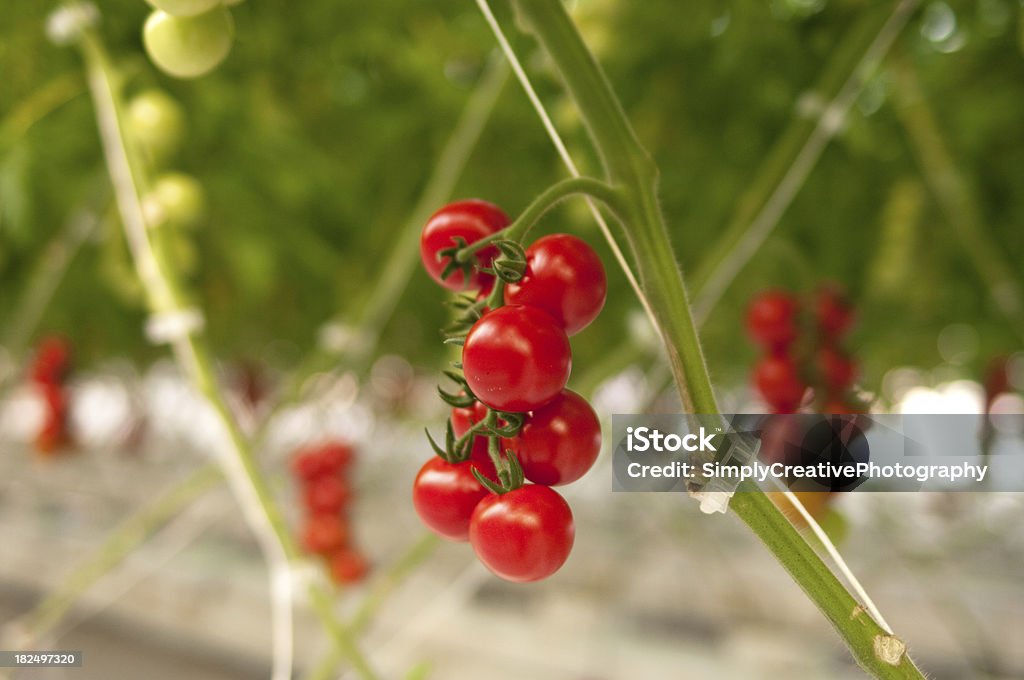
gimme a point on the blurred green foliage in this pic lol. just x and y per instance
(313, 139)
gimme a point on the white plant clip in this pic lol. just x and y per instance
(174, 325)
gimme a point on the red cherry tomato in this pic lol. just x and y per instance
(836, 370)
(523, 535)
(53, 359)
(348, 566)
(321, 460)
(565, 278)
(558, 442)
(779, 382)
(771, 319)
(471, 220)
(516, 358)
(324, 533)
(833, 312)
(325, 495)
(445, 494)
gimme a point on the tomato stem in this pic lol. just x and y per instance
(629, 167)
(612, 197)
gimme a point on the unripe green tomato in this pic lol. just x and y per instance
(184, 8)
(175, 199)
(157, 124)
(188, 47)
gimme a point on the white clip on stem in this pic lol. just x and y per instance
(173, 325)
(738, 450)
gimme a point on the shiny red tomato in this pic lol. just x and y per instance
(445, 494)
(779, 382)
(471, 220)
(558, 442)
(565, 278)
(523, 535)
(771, 319)
(516, 358)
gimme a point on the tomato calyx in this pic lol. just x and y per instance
(510, 264)
(464, 398)
(509, 471)
(458, 449)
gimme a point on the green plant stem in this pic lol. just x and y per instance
(631, 169)
(628, 166)
(954, 195)
(166, 296)
(548, 199)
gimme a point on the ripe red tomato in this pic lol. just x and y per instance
(771, 319)
(779, 382)
(523, 535)
(324, 533)
(326, 494)
(565, 278)
(516, 358)
(320, 460)
(558, 442)
(348, 566)
(471, 220)
(833, 312)
(837, 371)
(444, 495)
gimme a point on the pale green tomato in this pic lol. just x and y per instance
(176, 199)
(184, 8)
(157, 124)
(188, 47)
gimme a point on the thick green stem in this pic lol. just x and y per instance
(629, 167)
(548, 199)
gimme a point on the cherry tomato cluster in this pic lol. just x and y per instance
(803, 348)
(323, 472)
(49, 373)
(188, 38)
(513, 419)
